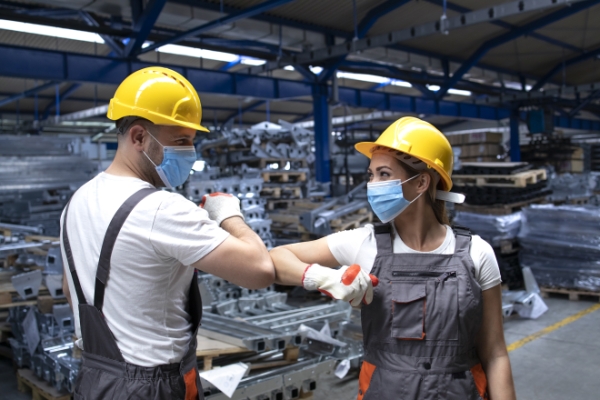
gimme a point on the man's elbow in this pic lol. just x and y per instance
(264, 274)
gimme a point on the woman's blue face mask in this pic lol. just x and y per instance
(387, 199)
(176, 164)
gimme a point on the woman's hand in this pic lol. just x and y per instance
(347, 283)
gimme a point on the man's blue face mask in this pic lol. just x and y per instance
(176, 164)
(387, 200)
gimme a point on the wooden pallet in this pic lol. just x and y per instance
(292, 204)
(574, 201)
(208, 349)
(40, 390)
(571, 294)
(509, 246)
(294, 192)
(499, 209)
(264, 162)
(519, 180)
(353, 221)
(283, 176)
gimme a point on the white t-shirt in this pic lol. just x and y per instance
(147, 290)
(359, 246)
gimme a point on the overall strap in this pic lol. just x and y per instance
(463, 239)
(384, 238)
(109, 242)
(70, 261)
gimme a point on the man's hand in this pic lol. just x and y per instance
(221, 206)
(347, 283)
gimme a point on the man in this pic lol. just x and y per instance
(132, 250)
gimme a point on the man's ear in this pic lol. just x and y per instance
(137, 136)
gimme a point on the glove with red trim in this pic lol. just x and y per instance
(221, 206)
(347, 283)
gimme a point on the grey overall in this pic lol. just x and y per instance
(420, 329)
(104, 373)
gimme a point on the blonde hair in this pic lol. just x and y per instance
(438, 206)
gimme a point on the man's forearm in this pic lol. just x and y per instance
(238, 228)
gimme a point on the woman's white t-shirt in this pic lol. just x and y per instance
(358, 246)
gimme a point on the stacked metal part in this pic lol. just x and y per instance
(262, 322)
(44, 344)
(38, 175)
(29, 263)
(261, 141)
(562, 253)
(245, 185)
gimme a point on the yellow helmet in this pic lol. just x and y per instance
(159, 95)
(419, 139)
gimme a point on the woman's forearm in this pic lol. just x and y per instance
(499, 376)
(288, 268)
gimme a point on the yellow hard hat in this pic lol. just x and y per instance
(160, 95)
(419, 139)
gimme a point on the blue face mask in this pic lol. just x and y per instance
(387, 200)
(176, 164)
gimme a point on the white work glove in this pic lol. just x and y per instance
(221, 206)
(347, 283)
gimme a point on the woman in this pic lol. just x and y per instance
(434, 327)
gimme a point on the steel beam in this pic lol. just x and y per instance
(506, 25)
(475, 17)
(246, 13)
(215, 6)
(24, 62)
(64, 95)
(108, 40)
(536, 95)
(515, 145)
(244, 110)
(143, 26)
(27, 93)
(575, 60)
(512, 35)
(584, 103)
(377, 12)
(365, 24)
(322, 132)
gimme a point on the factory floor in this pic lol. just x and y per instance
(556, 357)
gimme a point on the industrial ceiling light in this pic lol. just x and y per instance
(459, 92)
(50, 31)
(397, 82)
(363, 77)
(208, 54)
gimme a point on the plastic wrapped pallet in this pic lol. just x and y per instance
(561, 245)
(492, 228)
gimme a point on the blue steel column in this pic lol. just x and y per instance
(321, 112)
(515, 147)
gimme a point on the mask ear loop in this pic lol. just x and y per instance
(147, 156)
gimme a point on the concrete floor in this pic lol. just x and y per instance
(562, 365)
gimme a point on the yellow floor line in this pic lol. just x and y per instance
(551, 328)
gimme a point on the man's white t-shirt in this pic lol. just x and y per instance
(359, 246)
(147, 290)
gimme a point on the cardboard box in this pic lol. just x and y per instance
(484, 137)
(480, 150)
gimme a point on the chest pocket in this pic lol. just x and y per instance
(425, 307)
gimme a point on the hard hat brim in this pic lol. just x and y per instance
(366, 148)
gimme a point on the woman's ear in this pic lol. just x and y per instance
(423, 182)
